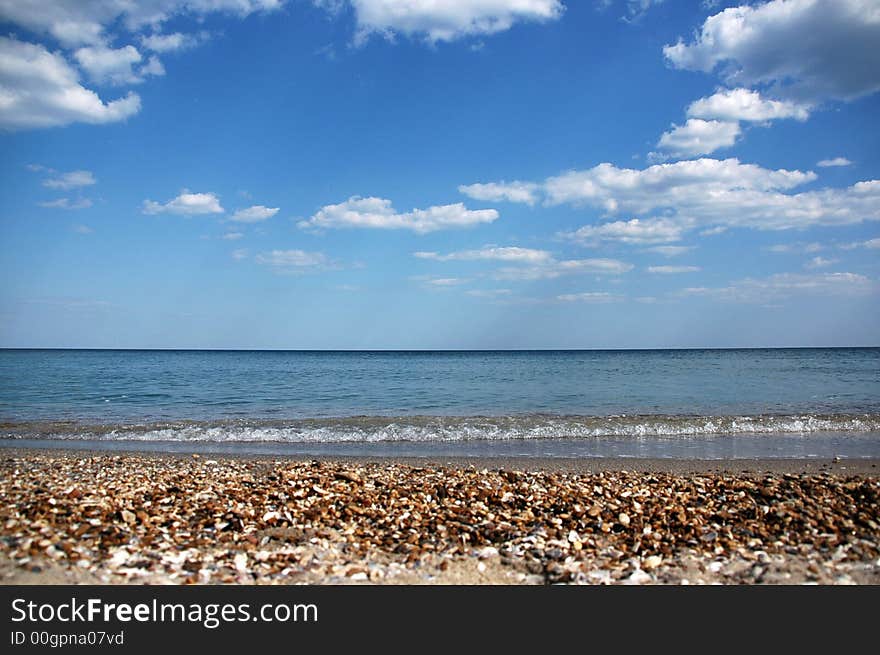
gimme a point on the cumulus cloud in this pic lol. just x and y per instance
(804, 50)
(254, 214)
(671, 270)
(837, 161)
(232, 236)
(712, 193)
(87, 22)
(589, 296)
(524, 192)
(634, 231)
(446, 21)
(698, 137)
(41, 89)
(67, 203)
(505, 254)
(173, 42)
(116, 66)
(186, 204)
(745, 105)
(784, 285)
(378, 213)
(240, 254)
(71, 180)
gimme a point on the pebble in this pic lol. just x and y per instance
(652, 562)
(141, 518)
(638, 577)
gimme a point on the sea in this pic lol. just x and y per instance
(688, 404)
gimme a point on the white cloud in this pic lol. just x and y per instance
(186, 204)
(488, 293)
(589, 296)
(232, 236)
(870, 243)
(80, 22)
(71, 180)
(800, 248)
(40, 89)
(837, 161)
(784, 285)
(449, 20)
(174, 42)
(293, 260)
(152, 67)
(116, 66)
(745, 105)
(807, 50)
(820, 262)
(240, 254)
(377, 213)
(634, 231)
(713, 193)
(669, 251)
(82, 229)
(501, 191)
(67, 203)
(254, 214)
(554, 269)
(505, 254)
(671, 270)
(444, 281)
(698, 137)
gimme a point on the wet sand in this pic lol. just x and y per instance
(99, 517)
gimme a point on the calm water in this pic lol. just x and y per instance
(799, 402)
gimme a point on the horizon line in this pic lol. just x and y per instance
(435, 350)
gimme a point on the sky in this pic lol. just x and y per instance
(410, 174)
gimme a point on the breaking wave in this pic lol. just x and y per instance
(423, 429)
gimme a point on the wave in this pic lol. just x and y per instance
(420, 429)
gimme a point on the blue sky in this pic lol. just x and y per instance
(413, 174)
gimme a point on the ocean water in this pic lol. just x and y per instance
(657, 403)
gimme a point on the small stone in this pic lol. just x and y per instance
(637, 577)
(652, 562)
(623, 519)
(240, 560)
(487, 552)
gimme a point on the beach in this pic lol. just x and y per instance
(77, 516)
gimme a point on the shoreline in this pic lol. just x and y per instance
(791, 465)
(130, 518)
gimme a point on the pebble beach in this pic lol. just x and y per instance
(79, 517)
